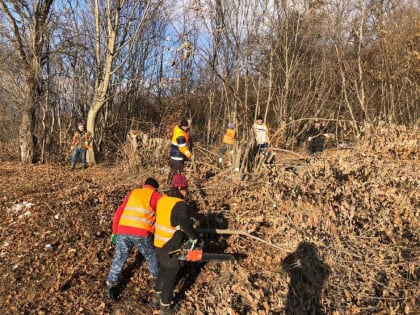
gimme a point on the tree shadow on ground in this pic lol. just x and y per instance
(212, 243)
(307, 276)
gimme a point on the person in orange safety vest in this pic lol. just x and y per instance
(227, 144)
(134, 225)
(180, 148)
(173, 227)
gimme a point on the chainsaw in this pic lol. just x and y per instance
(194, 252)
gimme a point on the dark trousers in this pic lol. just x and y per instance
(225, 148)
(167, 276)
(316, 145)
(176, 167)
(258, 152)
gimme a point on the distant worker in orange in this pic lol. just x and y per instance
(180, 148)
(227, 144)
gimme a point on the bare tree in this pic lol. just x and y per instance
(26, 31)
(118, 24)
(392, 67)
(113, 64)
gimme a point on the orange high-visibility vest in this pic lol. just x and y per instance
(163, 228)
(137, 213)
(229, 137)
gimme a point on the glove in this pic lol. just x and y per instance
(310, 138)
(192, 242)
(197, 243)
(114, 239)
(71, 148)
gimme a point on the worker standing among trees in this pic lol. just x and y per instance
(133, 225)
(262, 141)
(81, 142)
(316, 138)
(173, 227)
(227, 144)
(261, 134)
(180, 148)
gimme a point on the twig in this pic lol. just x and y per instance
(243, 233)
(287, 151)
(207, 152)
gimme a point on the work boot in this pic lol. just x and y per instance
(156, 299)
(111, 289)
(72, 166)
(84, 166)
(166, 309)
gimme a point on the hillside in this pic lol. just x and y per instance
(335, 234)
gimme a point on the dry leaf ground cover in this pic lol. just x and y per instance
(330, 234)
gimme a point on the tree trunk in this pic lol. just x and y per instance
(90, 126)
(26, 130)
(102, 82)
(27, 124)
(30, 34)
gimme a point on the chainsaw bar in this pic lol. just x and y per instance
(198, 255)
(217, 257)
(188, 253)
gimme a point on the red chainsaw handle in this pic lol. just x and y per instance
(194, 255)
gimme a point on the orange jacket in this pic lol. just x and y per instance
(137, 214)
(229, 137)
(82, 140)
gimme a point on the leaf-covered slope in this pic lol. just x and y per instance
(337, 233)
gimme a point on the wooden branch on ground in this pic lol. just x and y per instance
(287, 151)
(243, 233)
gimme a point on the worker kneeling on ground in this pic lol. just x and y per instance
(173, 227)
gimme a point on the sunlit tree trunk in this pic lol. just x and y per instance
(118, 39)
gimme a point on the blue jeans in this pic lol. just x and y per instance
(125, 244)
(75, 156)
